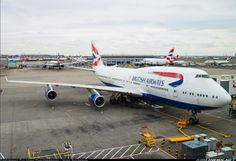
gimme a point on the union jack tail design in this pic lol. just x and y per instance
(172, 50)
(170, 57)
(97, 60)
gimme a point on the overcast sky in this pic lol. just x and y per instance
(193, 27)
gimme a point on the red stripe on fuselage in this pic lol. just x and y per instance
(170, 74)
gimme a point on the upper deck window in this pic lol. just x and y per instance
(202, 76)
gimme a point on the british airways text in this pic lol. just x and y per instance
(150, 81)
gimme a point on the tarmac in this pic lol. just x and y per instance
(28, 119)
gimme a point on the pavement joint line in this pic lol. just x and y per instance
(105, 149)
(81, 155)
(99, 154)
(125, 151)
(142, 150)
(139, 154)
(135, 149)
(108, 153)
(116, 152)
(59, 154)
(55, 155)
(90, 155)
(150, 150)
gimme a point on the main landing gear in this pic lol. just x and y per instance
(193, 119)
(122, 99)
(117, 98)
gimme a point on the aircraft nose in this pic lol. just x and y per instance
(226, 99)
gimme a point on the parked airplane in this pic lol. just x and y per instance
(186, 88)
(79, 60)
(169, 59)
(217, 62)
(54, 63)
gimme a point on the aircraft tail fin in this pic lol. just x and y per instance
(97, 60)
(170, 57)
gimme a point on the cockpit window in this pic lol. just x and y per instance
(202, 76)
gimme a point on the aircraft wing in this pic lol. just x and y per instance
(97, 87)
(89, 69)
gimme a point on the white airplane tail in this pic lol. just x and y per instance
(97, 60)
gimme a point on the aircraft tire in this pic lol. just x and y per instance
(191, 121)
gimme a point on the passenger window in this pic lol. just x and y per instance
(200, 95)
(197, 94)
(206, 95)
(213, 96)
(216, 97)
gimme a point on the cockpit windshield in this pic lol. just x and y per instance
(202, 76)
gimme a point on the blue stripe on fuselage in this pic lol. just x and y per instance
(188, 106)
(153, 98)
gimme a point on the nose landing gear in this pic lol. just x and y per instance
(193, 119)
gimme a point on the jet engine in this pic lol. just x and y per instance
(96, 99)
(50, 93)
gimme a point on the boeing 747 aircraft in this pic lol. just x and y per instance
(186, 88)
(169, 59)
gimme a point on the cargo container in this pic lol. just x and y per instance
(228, 152)
(215, 155)
(194, 149)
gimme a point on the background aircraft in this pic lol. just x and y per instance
(158, 84)
(218, 62)
(169, 59)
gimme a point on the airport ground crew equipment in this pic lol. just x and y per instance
(147, 137)
(53, 153)
(68, 147)
(182, 123)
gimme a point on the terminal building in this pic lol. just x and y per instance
(124, 59)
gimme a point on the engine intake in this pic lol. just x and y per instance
(50, 93)
(96, 99)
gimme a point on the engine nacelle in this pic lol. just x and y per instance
(96, 99)
(50, 93)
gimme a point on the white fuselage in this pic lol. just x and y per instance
(216, 62)
(171, 85)
(155, 61)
